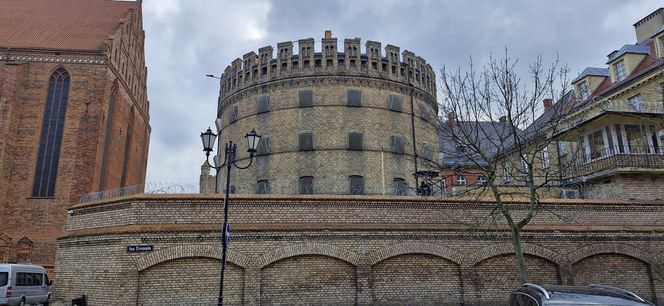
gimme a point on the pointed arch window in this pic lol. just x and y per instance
(51, 134)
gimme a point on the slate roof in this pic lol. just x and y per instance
(488, 133)
(638, 49)
(603, 72)
(60, 24)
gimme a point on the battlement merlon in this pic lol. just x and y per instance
(399, 66)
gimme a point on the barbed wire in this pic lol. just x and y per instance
(147, 188)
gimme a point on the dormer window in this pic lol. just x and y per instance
(583, 91)
(620, 71)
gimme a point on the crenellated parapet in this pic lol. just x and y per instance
(254, 69)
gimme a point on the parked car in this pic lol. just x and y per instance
(24, 285)
(534, 295)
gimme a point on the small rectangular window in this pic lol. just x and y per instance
(306, 98)
(425, 114)
(263, 187)
(398, 144)
(395, 103)
(427, 153)
(306, 185)
(233, 113)
(263, 146)
(461, 180)
(306, 141)
(399, 186)
(355, 141)
(4, 276)
(354, 97)
(262, 104)
(481, 180)
(356, 184)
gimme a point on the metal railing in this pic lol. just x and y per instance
(647, 157)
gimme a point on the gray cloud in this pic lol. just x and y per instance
(186, 40)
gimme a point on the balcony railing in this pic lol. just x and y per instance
(611, 159)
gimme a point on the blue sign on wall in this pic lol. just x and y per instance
(140, 248)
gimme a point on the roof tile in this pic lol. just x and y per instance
(60, 24)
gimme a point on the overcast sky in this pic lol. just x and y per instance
(187, 39)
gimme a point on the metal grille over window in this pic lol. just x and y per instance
(263, 104)
(354, 97)
(306, 185)
(395, 103)
(354, 141)
(356, 184)
(398, 144)
(306, 98)
(51, 135)
(399, 187)
(306, 141)
(264, 146)
(263, 187)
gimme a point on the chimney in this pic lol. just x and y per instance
(502, 119)
(451, 118)
(328, 34)
(547, 103)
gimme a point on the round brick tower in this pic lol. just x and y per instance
(332, 122)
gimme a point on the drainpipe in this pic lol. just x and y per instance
(412, 124)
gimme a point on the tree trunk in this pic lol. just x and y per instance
(522, 274)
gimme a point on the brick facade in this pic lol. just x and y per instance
(348, 250)
(90, 152)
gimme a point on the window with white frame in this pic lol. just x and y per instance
(583, 90)
(506, 173)
(545, 157)
(461, 180)
(620, 71)
(481, 180)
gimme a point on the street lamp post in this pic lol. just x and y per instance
(230, 148)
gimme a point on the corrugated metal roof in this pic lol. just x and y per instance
(60, 24)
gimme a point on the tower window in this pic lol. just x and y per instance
(306, 98)
(398, 144)
(399, 187)
(354, 98)
(263, 187)
(355, 141)
(264, 146)
(356, 184)
(306, 141)
(306, 185)
(262, 104)
(395, 103)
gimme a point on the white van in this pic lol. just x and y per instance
(23, 285)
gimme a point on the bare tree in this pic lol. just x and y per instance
(499, 126)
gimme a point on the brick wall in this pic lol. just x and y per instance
(349, 250)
